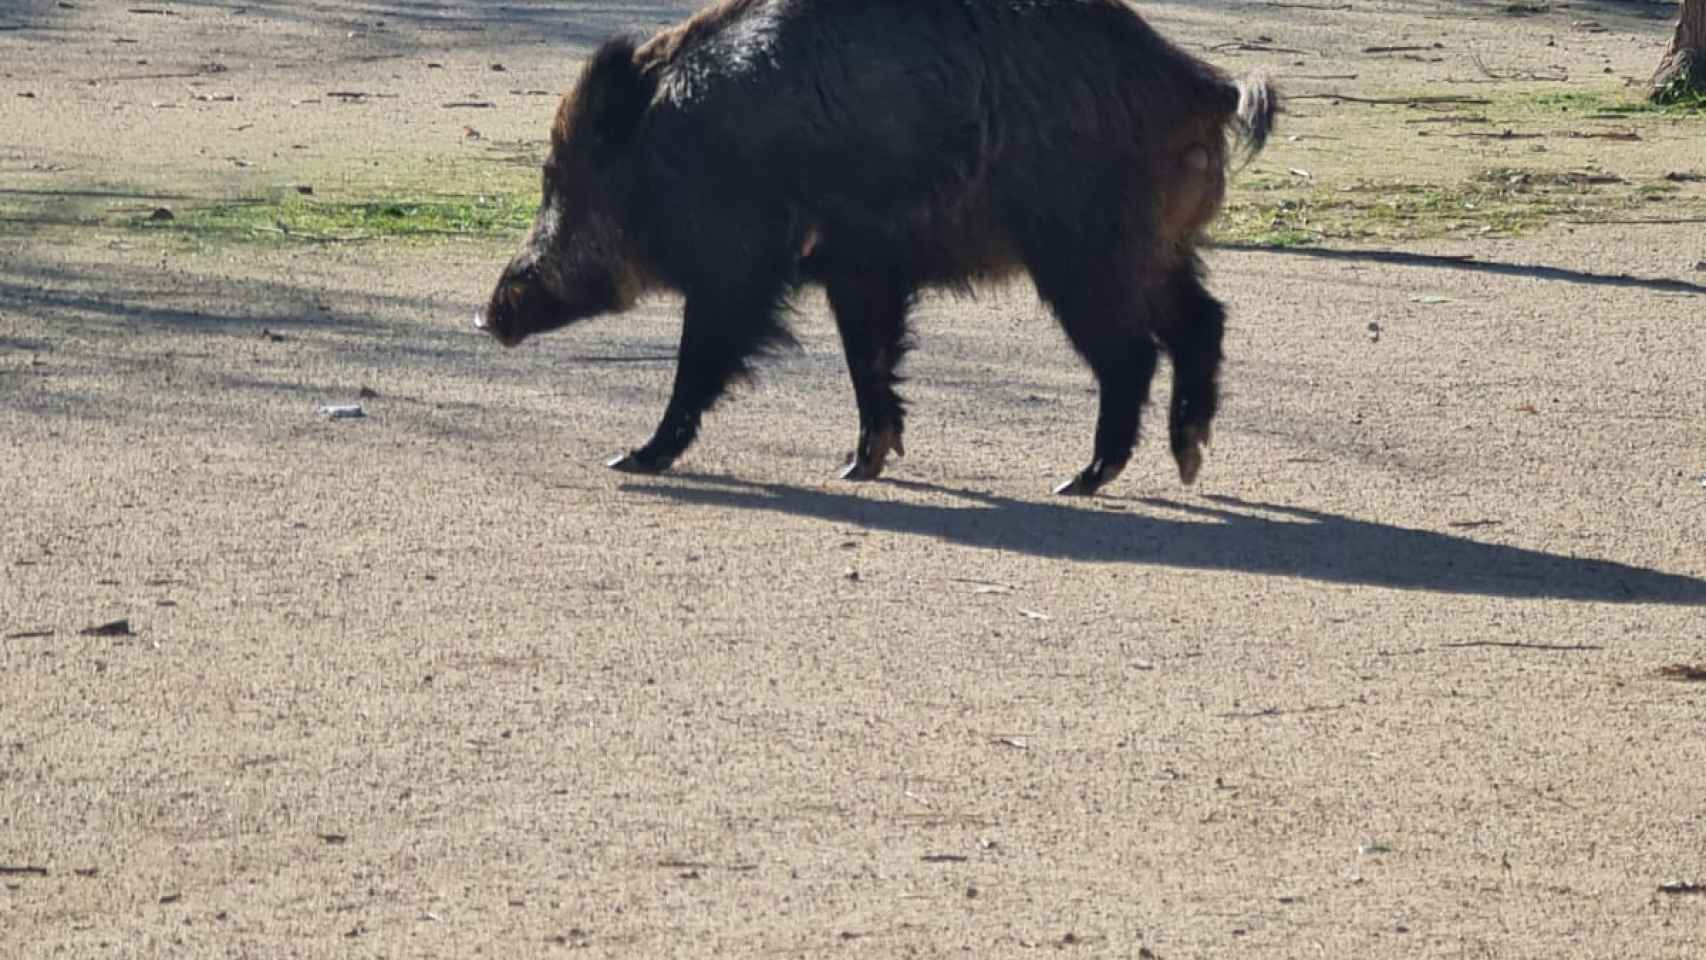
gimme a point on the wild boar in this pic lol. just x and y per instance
(881, 148)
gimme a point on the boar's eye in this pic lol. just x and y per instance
(517, 288)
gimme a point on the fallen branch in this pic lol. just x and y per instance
(1402, 101)
(681, 864)
(314, 237)
(1451, 118)
(1644, 221)
(1560, 76)
(1276, 712)
(1245, 45)
(1501, 135)
(616, 358)
(1675, 887)
(1520, 645)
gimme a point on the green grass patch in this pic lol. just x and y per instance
(1497, 202)
(304, 219)
(1605, 101)
(1678, 98)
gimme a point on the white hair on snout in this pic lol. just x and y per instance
(566, 249)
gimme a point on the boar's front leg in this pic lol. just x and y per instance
(721, 330)
(1124, 367)
(1108, 323)
(871, 312)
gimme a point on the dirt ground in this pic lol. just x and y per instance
(1390, 681)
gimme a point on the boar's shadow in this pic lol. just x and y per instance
(1214, 533)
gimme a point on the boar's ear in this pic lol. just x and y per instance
(612, 94)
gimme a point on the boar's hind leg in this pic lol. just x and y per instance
(721, 330)
(1192, 334)
(871, 315)
(1103, 323)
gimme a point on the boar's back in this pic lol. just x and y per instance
(879, 113)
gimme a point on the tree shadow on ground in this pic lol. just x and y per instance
(1469, 264)
(94, 193)
(24, 210)
(89, 300)
(104, 322)
(1216, 533)
(126, 343)
(397, 26)
(1641, 11)
(1626, 15)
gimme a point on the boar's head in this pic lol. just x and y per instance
(578, 261)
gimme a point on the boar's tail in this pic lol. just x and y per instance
(1258, 103)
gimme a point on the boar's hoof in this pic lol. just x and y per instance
(638, 461)
(866, 463)
(1189, 454)
(860, 468)
(1089, 480)
(1190, 464)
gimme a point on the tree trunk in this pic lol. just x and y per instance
(1682, 73)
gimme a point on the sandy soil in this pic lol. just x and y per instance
(433, 683)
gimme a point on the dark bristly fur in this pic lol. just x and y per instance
(883, 147)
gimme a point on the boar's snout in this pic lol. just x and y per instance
(520, 306)
(502, 334)
(528, 302)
